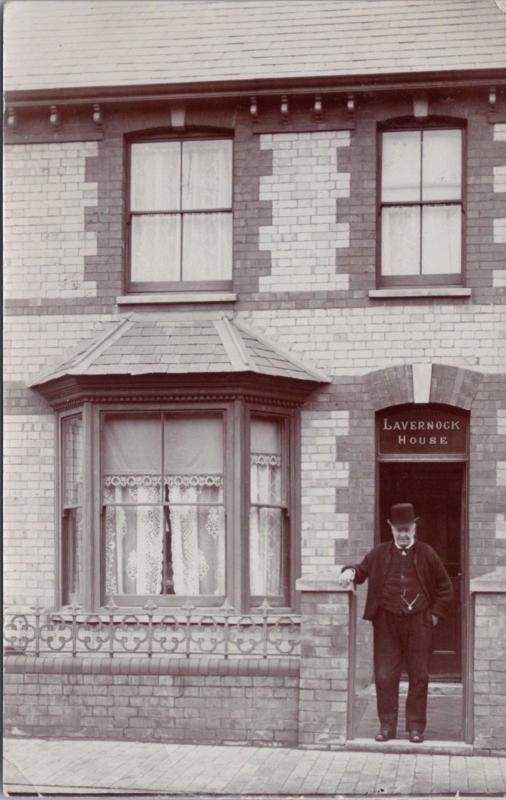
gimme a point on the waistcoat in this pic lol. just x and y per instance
(402, 592)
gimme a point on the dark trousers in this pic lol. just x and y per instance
(398, 637)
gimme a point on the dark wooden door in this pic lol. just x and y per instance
(435, 489)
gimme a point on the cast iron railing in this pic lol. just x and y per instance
(187, 632)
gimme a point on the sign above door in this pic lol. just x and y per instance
(422, 430)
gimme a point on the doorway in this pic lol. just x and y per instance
(436, 491)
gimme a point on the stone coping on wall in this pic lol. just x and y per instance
(83, 664)
(324, 582)
(493, 582)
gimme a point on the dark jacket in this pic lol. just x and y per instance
(431, 574)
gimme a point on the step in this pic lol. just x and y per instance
(429, 747)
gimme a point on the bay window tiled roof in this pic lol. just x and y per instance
(84, 43)
(148, 344)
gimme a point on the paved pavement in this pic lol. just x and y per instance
(81, 767)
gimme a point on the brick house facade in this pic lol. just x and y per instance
(324, 339)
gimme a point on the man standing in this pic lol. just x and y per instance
(409, 591)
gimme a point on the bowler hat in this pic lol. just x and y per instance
(402, 514)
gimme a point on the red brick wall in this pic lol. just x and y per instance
(228, 702)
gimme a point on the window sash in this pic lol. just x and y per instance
(269, 510)
(422, 271)
(151, 519)
(180, 260)
(71, 514)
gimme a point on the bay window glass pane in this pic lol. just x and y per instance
(442, 240)
(170, 542)
(193, 444)
(266, 552)
(400, 166)
(132, 447)
(72, 556)
(207, 174)
(155, 176)
(442, 165)
(197, 532)
(193, 486)
(400, 241)
(156, 248)
(134, 546)
(72, 460)
(207, 247)
(72, 560)
(266, 513)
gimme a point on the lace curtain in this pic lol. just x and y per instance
(189, 535)
(164, 534)
(266, 526)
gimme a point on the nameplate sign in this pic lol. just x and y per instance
(422, 430)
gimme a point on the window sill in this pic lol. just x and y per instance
(412, 292)
(171, 298)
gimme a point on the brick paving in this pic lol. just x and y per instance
(50, 767)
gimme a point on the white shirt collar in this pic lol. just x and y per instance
(408, 546)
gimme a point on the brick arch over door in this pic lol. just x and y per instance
(423, 383)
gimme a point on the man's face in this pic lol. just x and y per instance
(403, 534)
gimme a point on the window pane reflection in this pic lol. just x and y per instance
(156, 248)
(400, 175)
(207, 247)
(400, 241)
(442, 240)
(155, 176)
(442, 165)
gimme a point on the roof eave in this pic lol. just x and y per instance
(233, 89)
(71, 390)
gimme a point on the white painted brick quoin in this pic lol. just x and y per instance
(304, 188)
(500, 230)
(45, 196)
(501, 473)
(500, 132)
(500, 179)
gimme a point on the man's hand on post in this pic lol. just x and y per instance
(435, 619)
(346, 577)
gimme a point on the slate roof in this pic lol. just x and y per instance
(147, 345)
(98, 43)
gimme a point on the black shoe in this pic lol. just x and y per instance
(384, 734)
(416, 737)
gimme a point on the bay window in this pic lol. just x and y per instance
(421, 207)
(189, 504)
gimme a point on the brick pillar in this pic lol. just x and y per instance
(488, 661)
(326, 675)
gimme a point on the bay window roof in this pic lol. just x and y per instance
(162, 348)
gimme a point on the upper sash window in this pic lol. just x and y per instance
(421, 206)
(180, 214)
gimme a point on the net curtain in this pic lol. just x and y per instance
(138, 529)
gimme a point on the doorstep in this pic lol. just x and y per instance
(430, 747)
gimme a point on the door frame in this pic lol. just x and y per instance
(465, 612)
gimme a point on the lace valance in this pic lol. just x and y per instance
(168, 480)
(265, 460)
